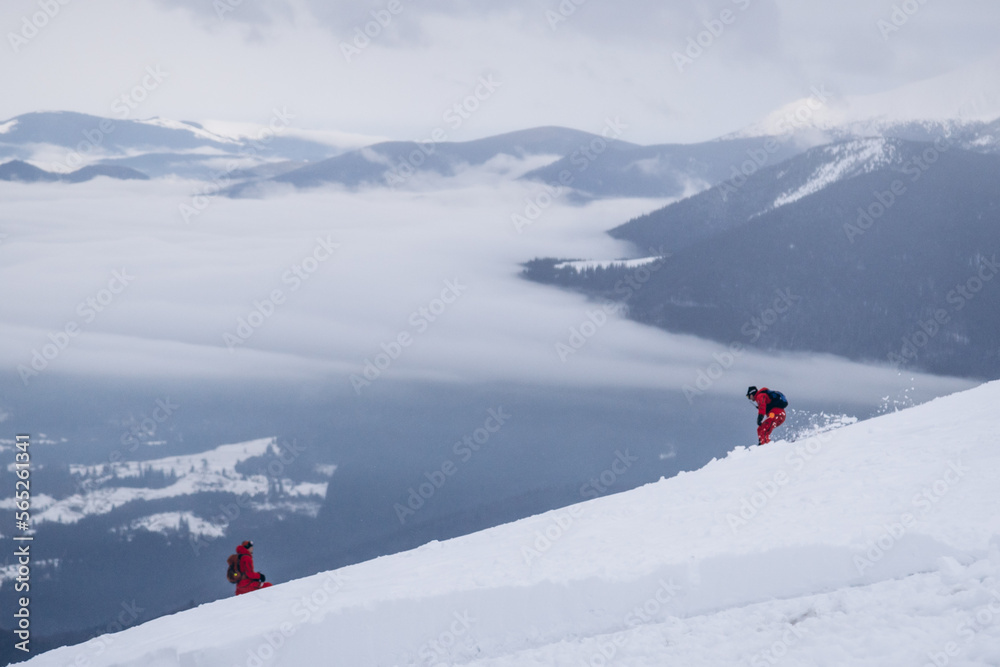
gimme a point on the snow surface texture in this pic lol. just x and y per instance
(874, 544)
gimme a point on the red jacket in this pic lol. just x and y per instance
(251, 579)
(763, 401)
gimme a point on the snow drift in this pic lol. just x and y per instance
(875, 544)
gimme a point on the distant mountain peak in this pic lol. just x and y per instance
(946, 103)
(188, 126)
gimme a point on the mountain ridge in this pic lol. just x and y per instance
(589, 165)
(893, 238)
(24, 172)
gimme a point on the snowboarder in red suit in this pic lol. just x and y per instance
(769, 415)
(251, 580)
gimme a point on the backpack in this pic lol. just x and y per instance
(233, 572)
(777, 399)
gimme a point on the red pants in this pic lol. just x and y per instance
(251, 586)
(774, 418)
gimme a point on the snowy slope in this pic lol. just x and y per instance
(876, 544)
(843, 160)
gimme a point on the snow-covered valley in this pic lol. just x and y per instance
(105, 487)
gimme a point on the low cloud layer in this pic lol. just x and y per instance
(350, 288)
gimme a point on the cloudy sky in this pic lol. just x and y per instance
(562, 62)
(574, 63)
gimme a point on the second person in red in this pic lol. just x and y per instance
(251, 579)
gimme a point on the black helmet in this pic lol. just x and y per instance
(751, 392)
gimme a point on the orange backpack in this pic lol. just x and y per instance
(233, 572)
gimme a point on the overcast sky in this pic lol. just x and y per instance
(512, 64)
(571, 63)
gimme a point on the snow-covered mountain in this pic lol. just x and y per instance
(394, 163)
(667, 170)
(885, 250)
(766, 185)
(877, 543)
(250, 160)
(64, 141)
(962, 106)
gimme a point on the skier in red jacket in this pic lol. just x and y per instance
(251, 580)
(770, 411)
